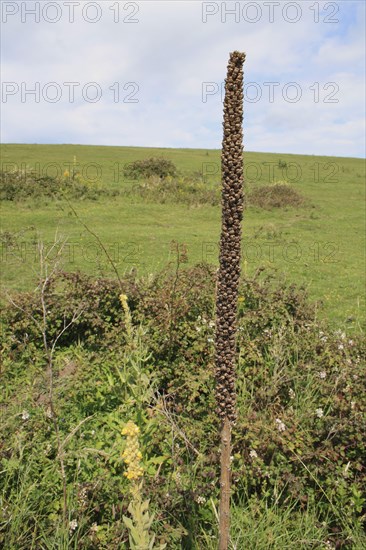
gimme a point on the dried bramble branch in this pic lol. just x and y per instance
(99, 241)
(228, 276)
(49, 267)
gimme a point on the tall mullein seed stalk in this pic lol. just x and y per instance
(228, 276)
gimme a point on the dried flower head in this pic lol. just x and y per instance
(230, 240)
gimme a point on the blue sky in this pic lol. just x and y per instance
(150, 73)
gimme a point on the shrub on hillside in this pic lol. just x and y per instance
(20, 185)
(278, 195)
(146, 168)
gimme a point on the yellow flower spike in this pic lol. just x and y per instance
(139, 521)
(132, 454)
(123, 299)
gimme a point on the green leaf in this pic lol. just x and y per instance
(128, 522)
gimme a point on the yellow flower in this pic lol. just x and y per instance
(130, 429)
(123, 300)
(126, 309)
(132, 454)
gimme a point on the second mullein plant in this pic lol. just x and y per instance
(228, 276)
(141, 519)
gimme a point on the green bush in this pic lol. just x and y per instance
(278, 195)
(25, 184)
(299, 441)
(146, 168)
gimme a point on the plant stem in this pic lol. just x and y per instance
(224, 517)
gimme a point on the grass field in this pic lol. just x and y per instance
(320, 245)
(83, 357)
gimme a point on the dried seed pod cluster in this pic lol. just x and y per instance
(230, 241)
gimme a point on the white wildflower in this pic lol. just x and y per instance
(200, 500)
(322, 375)
(280, 425)
(341, 346)
(319, 412)
(25, 415)
(253, 454)
(291, 393)
(210, 340)
(83, 496)
(73, 525)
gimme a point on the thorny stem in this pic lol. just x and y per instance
(180, 258)
(99, 241)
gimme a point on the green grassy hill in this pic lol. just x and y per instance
(83, 356)
(320, 245)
